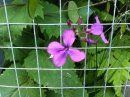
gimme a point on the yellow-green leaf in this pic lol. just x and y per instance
(108, 7)
(32, 6)
(123, 28)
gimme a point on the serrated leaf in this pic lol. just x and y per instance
(52, 78)
(39, 11)
(16, 14)
(8, 78)
(109, 93)
(84, 13)
(73, 12)
(51, 18)
(32, 7)
(123, 41)
(118, 76)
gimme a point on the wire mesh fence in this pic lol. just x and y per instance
(27, 70)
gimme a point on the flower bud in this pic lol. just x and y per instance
(79, 20)
(69, 23)
(84, 28)
(88, 40)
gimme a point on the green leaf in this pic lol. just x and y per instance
(17, 2)
(108, 7)
(109, 93)
(123, 41)
(32, 7)
(52, 78)
(103, 15)
(122, 1)
(51, 18)
(52, 94)
(123, 28)
(84, 13)
(2, 58)
(73, 12)
(8, 78)
(26, 40)
(39, 11)
(16, 14)
(118, 76)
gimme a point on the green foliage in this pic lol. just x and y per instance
(52, 78)
(13, 17)
(109, 93)
(84, 13)
(51, 18)
(32, 7)
(8, 78)
(73, 12)
(123, 28)
(103, 15)
(108, 7)
(122, 1)
(46, 12)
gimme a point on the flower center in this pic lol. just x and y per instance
(66, 48)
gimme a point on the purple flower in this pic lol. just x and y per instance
(97, 29)
(60, 52)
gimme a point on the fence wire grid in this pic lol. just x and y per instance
(86, 48)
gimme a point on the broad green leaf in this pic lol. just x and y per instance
(52, 78)
(39, 11)
(8, 78)
(73, 12)
(16, 14)
(26, 40)
(51, 18)
(18, 53)
(123, 28)
(51, 93)
(32, 7)
(109, 93)
(84, 13)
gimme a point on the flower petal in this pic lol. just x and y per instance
(97, 20)
(54, 47)
(103, 38)
(96, 29)
(91, 41)
(76, 55)
(59, 58)
(68, 37)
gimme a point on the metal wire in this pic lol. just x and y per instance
(62, 93)
(39, 78)
(109, 54)
(110, 47)
(11, 45)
